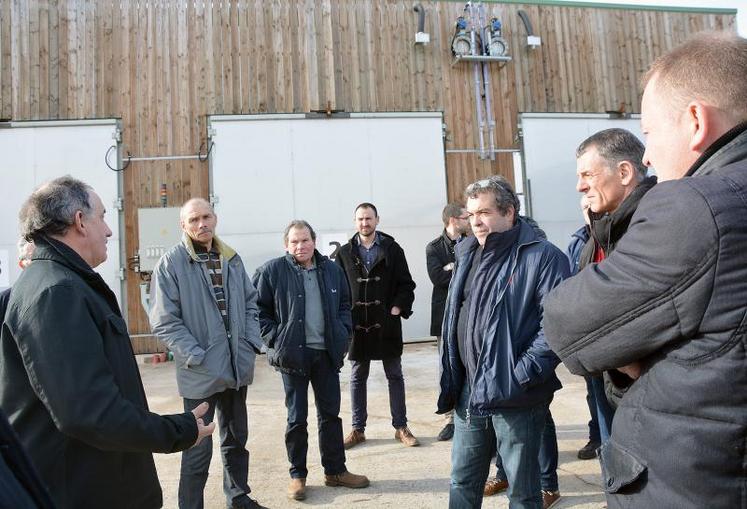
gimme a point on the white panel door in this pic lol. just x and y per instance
(35, 152)
(550, 142)
(269, 169)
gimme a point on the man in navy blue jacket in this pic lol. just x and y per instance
(496, 365)
(304, 315)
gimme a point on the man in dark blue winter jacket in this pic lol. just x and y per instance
(304, 315)
(496, 365)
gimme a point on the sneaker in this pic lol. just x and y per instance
(297, 489)
(405, 436)
(447, 433)
(347, 480)
(589, 451)
(494, 486)
(354, 438)
(549, 498)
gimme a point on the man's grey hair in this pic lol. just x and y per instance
(616, 146)
(505, 197)
(300, 224)
(51, 208)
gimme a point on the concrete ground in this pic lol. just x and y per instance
(400, 477)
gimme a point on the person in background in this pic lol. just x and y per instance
(304, 316)
(382, 295)
(439, 256)
(204, 307)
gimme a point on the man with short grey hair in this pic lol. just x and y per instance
(68, 379)
(612, 178)
(204, 307)
(304, 313)
(497, 370)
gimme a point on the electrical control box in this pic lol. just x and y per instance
(159, 230)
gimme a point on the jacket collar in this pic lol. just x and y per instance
(224, 249)
(56, 251)
(608, 228)
(729, 148)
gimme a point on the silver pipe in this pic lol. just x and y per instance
(478, 83)
(162, 158)
(487, 87)
(475, 150)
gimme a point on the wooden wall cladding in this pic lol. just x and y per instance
(162, 66)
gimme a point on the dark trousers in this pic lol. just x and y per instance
(231, 412)
(359, 391)
(548, 457)
(594, 432)
(602, 408)
(325, 382)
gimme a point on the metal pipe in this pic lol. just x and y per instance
(487, 87)
(162, 158)
(421, 17)
(478, 82)
(476, 150)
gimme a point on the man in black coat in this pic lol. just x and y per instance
(382, 294)
(668, 306)
(20, 484)
(304, 317)
(68, 378)
(439, 256)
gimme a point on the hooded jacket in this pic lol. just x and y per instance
(184, 315)
(282, 311)
(71, 388)
(672, 296)
(515, 367)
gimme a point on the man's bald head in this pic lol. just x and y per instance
(198, 221)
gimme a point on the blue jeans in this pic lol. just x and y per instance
(604, 411)
(325, 382)
(548, 457)
(359, 392)
(231, 408)
(517, 433)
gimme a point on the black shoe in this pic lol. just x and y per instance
(447, 433)
(589, 451)
(246, 503)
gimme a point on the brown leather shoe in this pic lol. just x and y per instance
(405, 436)
(354, 438)
(494, 486)
(549, 498)
(297, 488)
(347, 480)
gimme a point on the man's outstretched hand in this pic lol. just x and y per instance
(202, 430)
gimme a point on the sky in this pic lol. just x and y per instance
(740, 5)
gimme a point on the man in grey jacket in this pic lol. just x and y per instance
(669, 305)
(204, 307)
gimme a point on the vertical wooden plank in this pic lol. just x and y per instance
(277, 78)
(235, 54)
(33, 91)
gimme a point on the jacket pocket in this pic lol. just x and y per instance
(621, 471)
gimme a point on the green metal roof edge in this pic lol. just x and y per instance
(628, 7)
